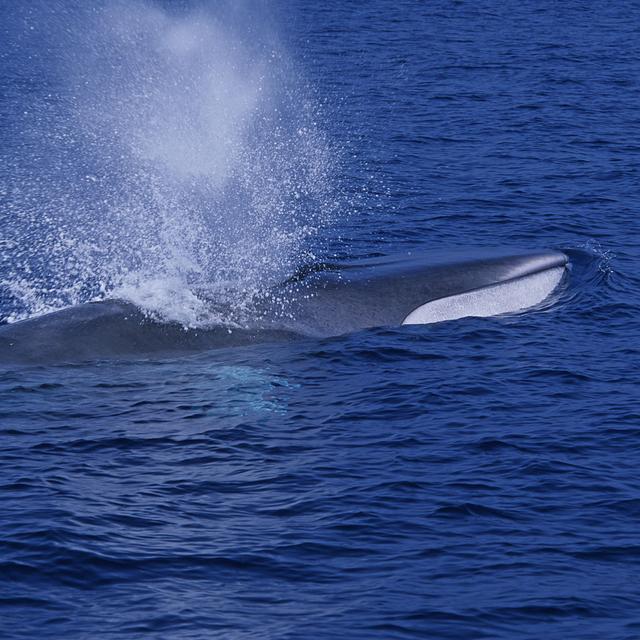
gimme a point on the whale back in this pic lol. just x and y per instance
(379, 292)
(385, 292)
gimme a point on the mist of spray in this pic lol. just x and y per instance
(172, 158)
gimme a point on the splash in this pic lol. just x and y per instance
(170, 157)
(603, 256)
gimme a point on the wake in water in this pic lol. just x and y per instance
(172, 158)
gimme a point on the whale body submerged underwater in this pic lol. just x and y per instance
(324, 303)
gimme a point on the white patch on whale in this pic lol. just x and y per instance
(505, 297)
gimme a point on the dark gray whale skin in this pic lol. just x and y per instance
(376, 293)
(112, 329)
(369, 293)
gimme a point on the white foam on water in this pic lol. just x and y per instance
(507, 297)
(178, 163)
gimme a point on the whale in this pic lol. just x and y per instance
(419, 289)
(320, 302)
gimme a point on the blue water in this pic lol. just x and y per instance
(478, 478)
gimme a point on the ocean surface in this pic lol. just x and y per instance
(478, 478)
